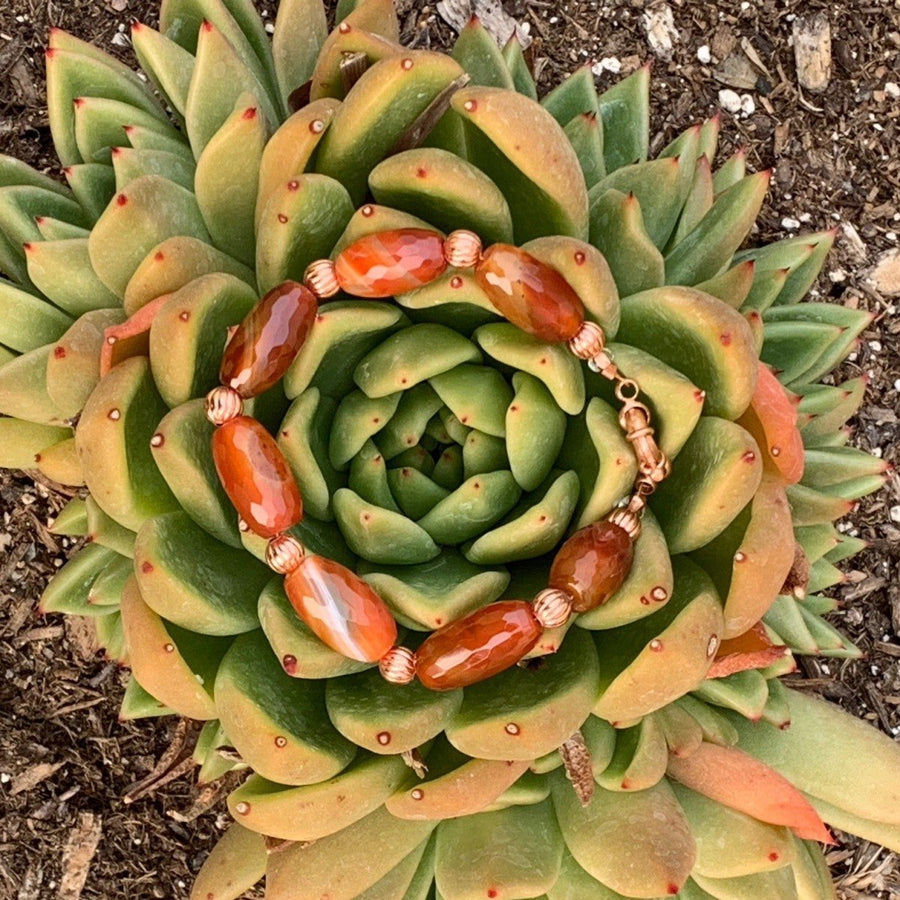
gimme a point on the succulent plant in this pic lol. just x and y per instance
(444, 455)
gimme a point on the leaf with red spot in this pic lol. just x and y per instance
(740, 781)
(772, 420)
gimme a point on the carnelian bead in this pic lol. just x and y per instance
(256, 476)
(266, 342)
(477, 646)
(531, 294)
(341, 609)
(592, 564)
(386, 263)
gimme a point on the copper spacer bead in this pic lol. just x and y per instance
(398, 665)
(321, 279)
(588, 341)
(223, 404)
(284, 553)
(462, 249)
(628, 517)
(552, 607)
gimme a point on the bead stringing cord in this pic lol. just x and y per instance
(348, 615)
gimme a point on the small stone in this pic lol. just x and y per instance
(748, 105)
(607, 64)
(789, 224)
(730, 100)
(892, 89)
(895, 514)
(704, 54)
(885, 276)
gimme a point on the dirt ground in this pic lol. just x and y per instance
(67, 763)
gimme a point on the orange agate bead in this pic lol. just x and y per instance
(477, 646)
(531, 294)
(256, 476)
(390, 262)
(592, 564)
(268, 339)
(341, 609)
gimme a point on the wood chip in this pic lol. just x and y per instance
(737, 71)
(500, 25)
(659, 23)
(812, 51)
(79, 850)
(32, 777)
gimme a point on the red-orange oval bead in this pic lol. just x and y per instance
(256, 476)
(477, 646)
(528, 292)
(386, 263)
(266, 342)
(592, 564)
(341, 609)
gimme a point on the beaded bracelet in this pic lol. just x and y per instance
(337, 605)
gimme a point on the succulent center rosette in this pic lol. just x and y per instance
(444, 455)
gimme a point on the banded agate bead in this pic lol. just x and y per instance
(528, 292)
(593, 564)
(386, 263)
(341, 609)
(268, 339)
(477, 646)
(256, 476)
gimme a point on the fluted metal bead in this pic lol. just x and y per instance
(552, 607)
(462, 249)
(398, 665)
(629, 520)
(321, 279)
(223, 404)
(284, 553)
(589, 341)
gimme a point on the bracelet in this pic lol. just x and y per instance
(336, 604)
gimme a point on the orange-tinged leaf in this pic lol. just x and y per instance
(740, 781)
(762, 560)
(772, 420)
(131, 337)
(751, 650)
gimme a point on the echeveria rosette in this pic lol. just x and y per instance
(444, 455)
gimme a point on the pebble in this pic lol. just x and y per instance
(705, 56)
(892, 89)
(789, 224)
(748, 105)
(730, 100)
(607, 64)
(895, 514)
(885, 276)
